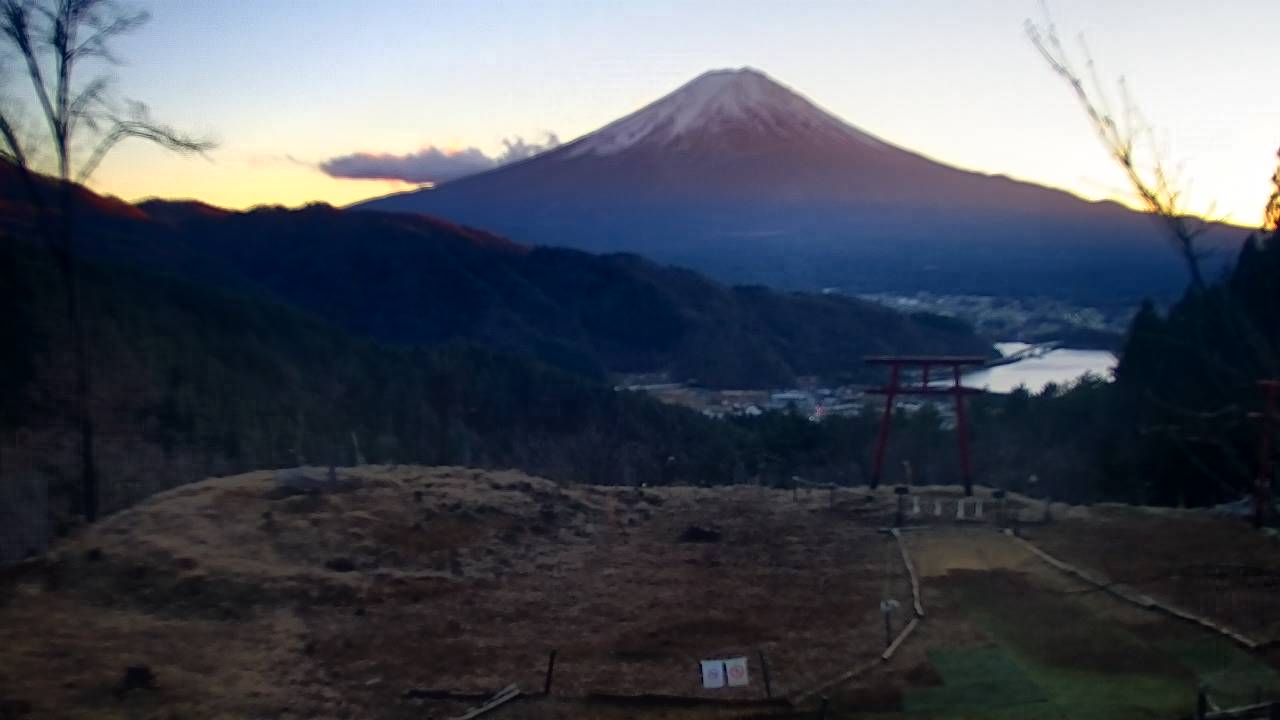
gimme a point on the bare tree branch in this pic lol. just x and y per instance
(56, 35)
(1155, 187)
(90, 95)
(140, 126)
(1271, 213)
(13, 151)
(96, 44)
(1228, 487)
(15, 26)
(15, 155)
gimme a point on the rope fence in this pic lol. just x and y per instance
(1136, 598)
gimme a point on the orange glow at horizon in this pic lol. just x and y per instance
(956, 82)
(241, 188)
(246, 185)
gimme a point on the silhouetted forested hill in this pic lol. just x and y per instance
(409, 278)
(193, 381)
(414, 279)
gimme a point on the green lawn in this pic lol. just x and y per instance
(1051, 658)
(1233, 676)
(976, 679)
(999, 684)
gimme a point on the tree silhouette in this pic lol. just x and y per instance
(1129, 141)
(50, 41)
(1271, 213)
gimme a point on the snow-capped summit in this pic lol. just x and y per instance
(725, 137)
(717, 101)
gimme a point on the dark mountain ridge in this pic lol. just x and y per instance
(193, 380)
(413, 279)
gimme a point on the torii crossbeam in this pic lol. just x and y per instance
(895, 388)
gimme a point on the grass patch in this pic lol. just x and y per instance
(972, 679)
(1086, 666)
(1059, 655)
(1232, 675)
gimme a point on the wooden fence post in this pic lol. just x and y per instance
(764, 671)
(551, 668)
(898, 516)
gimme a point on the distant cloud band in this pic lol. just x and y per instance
(431, 164)
(428, 165)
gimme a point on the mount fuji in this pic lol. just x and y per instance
(738, 176)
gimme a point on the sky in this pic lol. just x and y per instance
(286, 85)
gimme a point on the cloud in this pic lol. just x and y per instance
(517, 149)
(431, 164)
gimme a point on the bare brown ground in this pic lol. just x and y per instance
(463, 580)
(1214, 566)
(966, 571)
(963, 554)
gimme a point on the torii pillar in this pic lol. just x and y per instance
(895, 388)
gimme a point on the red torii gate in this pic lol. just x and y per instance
(895, 388)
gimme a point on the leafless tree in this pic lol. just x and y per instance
(1129, 141)
(1271, 213)
(48, 42)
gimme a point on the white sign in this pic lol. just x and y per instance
(712, 674)
(725, 671)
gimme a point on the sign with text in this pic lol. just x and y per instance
(736, 670)
(730, 672)
(712, 674)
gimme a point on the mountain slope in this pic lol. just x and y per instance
(413, 279)
(192, 381)
(736, 175)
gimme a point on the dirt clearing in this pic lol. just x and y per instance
(369, 593)
(246, 599)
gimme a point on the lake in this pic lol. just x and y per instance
(1056, 366)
